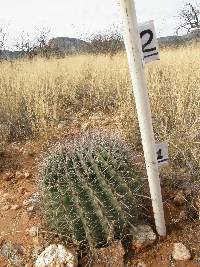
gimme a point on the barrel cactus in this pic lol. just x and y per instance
(91, 190)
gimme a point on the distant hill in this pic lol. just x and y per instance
(7, 54)
(68, 45)
(178, 40)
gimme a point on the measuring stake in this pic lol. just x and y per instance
(133, 48)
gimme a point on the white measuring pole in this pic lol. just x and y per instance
(133, 48)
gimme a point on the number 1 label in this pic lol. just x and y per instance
(149, 42)
(162, 153)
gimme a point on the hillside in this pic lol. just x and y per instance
(73, 45)
(68, 45)
(175, 40)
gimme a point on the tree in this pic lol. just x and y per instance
(189, 18)
(42, 39)
(110, 42)
(2, 42)
(35, 46)
(26, 46)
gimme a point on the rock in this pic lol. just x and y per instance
(31, 208)
(62, 125)
(32, 201)
(14, 252)
(179, 199)
(26, 202)
(15, 207)
(37, 249)
(19, 175)
(5, 207)
(6, 196)
(57, 256)
(188, 192)
(112, 256)
(85, 126)
(180, 252)
(8, 176)
(27, 174)
(141, 264)
(22, 190)
(28, 152)
(33, 231)
(183, 216)
(143, 236)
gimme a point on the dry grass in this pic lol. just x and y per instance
(36, 95)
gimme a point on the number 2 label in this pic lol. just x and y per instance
(149, 42)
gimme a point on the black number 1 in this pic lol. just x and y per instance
(159, 154)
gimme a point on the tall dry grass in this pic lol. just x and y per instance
(36, 95)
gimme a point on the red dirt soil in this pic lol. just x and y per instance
(14, 223)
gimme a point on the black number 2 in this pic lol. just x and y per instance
(145, 49)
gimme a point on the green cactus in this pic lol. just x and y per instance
(91, 190)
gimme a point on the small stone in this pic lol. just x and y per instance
(27, 174)
(19, 175)
(179, 199)
(141, 264)
(180, 252)
(62, 124)
(183, 215)
(15, 207)
(29, 152)
(112, 256)
(188, 192)
(85, 126)
(30, 209)
(13, 252)
(33, 231)
(143, 236)
(25, 202)
(5, 208)
(57, 255)
(22, 190)
(7, 197)
(37, 250)
(33, 200)
(8, 176)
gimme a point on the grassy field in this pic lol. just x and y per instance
(36, 95)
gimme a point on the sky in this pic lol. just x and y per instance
(81, 18)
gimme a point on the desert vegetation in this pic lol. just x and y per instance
(92, 182)
(38, 95)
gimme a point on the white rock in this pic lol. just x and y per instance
(62, 124)
(143, 236)
(57, 256)
(180, 252)
(30, 209)
(5, 207)
(141, 264)
(32, 200)
(15, 207)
